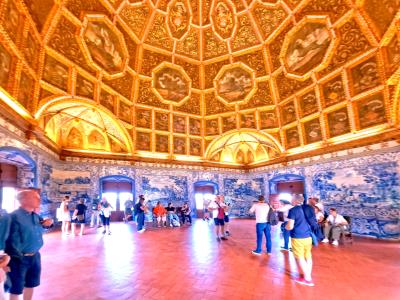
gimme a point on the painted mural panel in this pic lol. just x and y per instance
(143, 141)
(165, 188)
(5, 66)
(179, 145)
(162, 143)
(268, 119)
(194, 126)
(228, 123)
(143, 118)
(312, 131)
(333, 91)
(368, 192)
(179, 124)
(338, 122)
(107, 100)
(365, 76)
(288, 113)
(371, 111)
(162, 121)
(241, 194)
(247, 120)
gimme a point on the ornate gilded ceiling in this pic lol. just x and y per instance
(176, 76)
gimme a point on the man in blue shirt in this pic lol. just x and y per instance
(24, 243)
(300, 233)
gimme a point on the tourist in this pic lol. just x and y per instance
(78, 217)
(65, 216)
(284, 209)
(226, 219)
(206, 214)
(24, 243)
(309, 213)
(4, 258)
(160, 214)
(218, 210)
(128, 213)
(105, 214)
(261, 210)
(300, 233)
(173, 218)
(140, 209)
(335, 225)
(95, 217)
(186, 213)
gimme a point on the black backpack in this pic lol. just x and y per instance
(272, 217)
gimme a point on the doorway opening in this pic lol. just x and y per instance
(283, 187)
(204, 193)
(117, 190)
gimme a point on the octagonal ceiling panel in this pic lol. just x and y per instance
(104, 45)
(223, 18)
(171, 83)
(307, 47)
(179, 18)
(235, 83)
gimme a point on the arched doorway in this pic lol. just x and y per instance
(204, 192)
(17, 170)
(283, 186)
(117, 189)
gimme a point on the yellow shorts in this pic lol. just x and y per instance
(302, 247)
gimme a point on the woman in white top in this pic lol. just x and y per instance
(65, 216)
(105, 214)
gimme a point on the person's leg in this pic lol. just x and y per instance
(82, 229)
(336, 232)
(92, 219)
(190, 219)
(267, 232)
(286, 235)
(302, 253)
(98, 217)
(140, 218)
(327, 231)
(259, 233)
(28, 294)
(73, 225)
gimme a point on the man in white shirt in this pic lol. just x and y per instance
(261, 210)
(335, 225)
(218, 208)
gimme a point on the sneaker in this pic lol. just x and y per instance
(142, 230)
(109, 233)
(268, 253)
(227, 233)
(170, 225)
(255, 252)
(325, 241)
(224, 238)
(104, 232)
(335, 243)
(304, 282)
(285, 249)
(218, 239)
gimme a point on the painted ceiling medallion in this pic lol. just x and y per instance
(223, 18)
(179, 18)
(104, 45)
(235, 83)
(171, 84)
(308, 47)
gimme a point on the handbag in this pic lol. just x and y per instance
(272, 218)
(314, 239)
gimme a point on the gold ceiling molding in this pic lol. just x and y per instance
(176, 74)
(80, 124)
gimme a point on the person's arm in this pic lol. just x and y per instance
(289, 224)
(13, 243)
(5, 223)
(252, 209)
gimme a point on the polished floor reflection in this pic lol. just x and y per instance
(188, 263)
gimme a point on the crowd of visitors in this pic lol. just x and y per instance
(303, 225)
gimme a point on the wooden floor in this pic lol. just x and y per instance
(188, 263)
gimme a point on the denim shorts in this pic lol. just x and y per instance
(226, 219)
(219, 222)
(25, 273)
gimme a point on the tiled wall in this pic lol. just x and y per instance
(366, 188)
